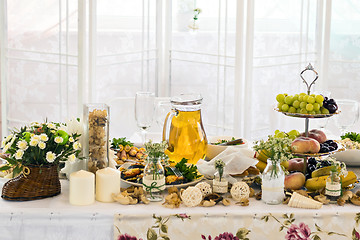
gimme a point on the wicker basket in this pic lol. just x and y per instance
(40, 182)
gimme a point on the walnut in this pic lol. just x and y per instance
(243, 202)
(172, 200)
(322, 198)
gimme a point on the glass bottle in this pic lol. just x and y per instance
(333, 186)
(96, 150)
(273, 183)
(154, 179)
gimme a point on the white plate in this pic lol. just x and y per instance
(183, 185)
(128, 164)
(214, 150)
(350, 157)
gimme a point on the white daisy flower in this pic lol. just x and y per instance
(22, 145)
(34, 124)
(34, 142)
(77, 145)
(9, 137)
(44, 137)
(58, 139)
(53, 131)
(37, 137)
(51, 125)
(19, 153)
(50, 157)
(72, 158)
(71, 139)
(42, 145)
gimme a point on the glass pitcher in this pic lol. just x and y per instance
(183, 129)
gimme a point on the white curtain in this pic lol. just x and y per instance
(134, 40)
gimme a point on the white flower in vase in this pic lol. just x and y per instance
(42, 145)
(58, 140)
(44, 137)
(50, 157)
(19, 153)
(23, 145)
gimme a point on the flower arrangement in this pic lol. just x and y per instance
(219, 166)
(157, 150)
(40, 144)
(277, 149)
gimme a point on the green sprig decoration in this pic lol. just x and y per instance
(219, 166)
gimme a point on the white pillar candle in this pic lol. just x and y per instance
(82, 188)
(107, 183)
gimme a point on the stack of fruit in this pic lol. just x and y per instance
(319, 170)
(305, 104)
(316, 142)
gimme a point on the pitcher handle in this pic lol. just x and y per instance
(167, 124)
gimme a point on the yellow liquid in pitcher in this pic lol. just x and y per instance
(187, 138)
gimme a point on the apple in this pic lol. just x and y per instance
(296, 164)
(305, 145)
(316, 134)
(294, 181)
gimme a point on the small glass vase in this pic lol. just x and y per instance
(273, 183)
(154, 179)
(333, 188)
(96, 150)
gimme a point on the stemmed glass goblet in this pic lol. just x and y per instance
(144, 111)
(349, 114)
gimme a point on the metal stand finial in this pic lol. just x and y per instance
(309, 68)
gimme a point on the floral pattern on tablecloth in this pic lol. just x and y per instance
(237, 226)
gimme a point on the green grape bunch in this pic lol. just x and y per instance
(301, 103)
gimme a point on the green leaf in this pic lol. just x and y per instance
(5, 167)
(151, 234)
(166, 238)
(292, 216)
(285, 216)
(242, 232)
(164, 228)
(316, 237)
(357, 218)
(317, 227)
(281, 228)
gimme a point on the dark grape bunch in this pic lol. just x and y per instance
(328, 146)
(313, 164)
(330, 105)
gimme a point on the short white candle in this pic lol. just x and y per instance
(107, 183)
(82, 188)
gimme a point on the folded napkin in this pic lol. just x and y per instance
(237, 160)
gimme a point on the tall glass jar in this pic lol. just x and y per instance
(333, 186)
(272, 185)
(96, 149)
(154, 179)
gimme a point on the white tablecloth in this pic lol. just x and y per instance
(55, 218)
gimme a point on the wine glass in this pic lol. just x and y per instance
(144, 111)
(322, 122)
(349, 114)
